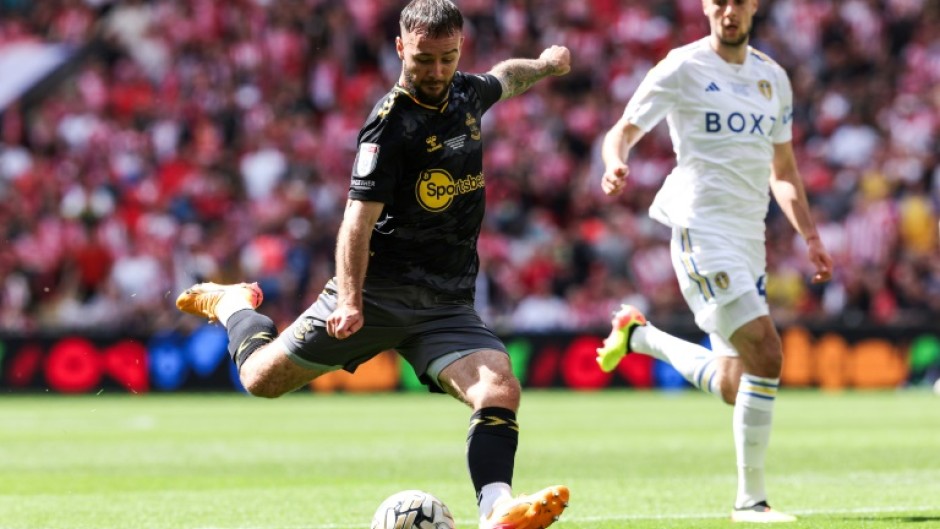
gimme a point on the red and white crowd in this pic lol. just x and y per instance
(213, 140)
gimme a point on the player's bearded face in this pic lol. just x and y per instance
(428, 64)
(730, 20)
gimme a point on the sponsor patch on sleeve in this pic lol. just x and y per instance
(367, 158)
(361, 184)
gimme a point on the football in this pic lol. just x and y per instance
(412, 509)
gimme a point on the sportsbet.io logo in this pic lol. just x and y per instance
(436, 189)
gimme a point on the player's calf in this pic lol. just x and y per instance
(247, 330)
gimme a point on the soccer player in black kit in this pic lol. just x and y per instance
(406, 260)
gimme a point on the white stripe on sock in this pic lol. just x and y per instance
(694, 362)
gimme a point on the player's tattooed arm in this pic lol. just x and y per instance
(518, 75)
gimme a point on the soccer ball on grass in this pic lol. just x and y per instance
(412, 509)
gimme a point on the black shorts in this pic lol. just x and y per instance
(419, 323)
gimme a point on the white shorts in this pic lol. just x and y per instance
(722, 279)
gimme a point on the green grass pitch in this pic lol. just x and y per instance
(310, 461)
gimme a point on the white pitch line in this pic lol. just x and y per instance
(635, 517)
(579, 519)
(803, 512)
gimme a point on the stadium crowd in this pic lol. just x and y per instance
(213, 140)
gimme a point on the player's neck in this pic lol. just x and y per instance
(409, 89)
(731, 53)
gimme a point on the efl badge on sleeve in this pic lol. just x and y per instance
(367, 158)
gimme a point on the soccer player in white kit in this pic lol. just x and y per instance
(729, 109)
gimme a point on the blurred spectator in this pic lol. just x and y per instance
(209, 140)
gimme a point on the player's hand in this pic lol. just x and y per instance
(344, 322)
(615, 177)
(558, 59)
(820, 259)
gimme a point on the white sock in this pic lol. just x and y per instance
(692, 361)
(490, 494)
(753, 414)
(229, 305)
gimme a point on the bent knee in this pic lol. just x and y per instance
(268, 384)
(759, 346)
(483, 379)
(506, 387)
(502, 392)
(758, 334)
(269, 373)
(510, 388)
(261, 388)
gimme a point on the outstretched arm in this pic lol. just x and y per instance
(517, 75)
(787, 187)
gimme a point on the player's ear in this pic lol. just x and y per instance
(400, 48)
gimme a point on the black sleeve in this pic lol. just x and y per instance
(377, 168)
(489, 88)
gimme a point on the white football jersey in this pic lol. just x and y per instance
(724, 120)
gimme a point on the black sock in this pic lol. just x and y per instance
(248, 331)
(491, 447)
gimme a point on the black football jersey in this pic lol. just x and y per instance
(425, 163)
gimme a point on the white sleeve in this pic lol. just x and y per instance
(784, 132)
(656, 95)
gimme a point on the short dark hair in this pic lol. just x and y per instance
(433, 18)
